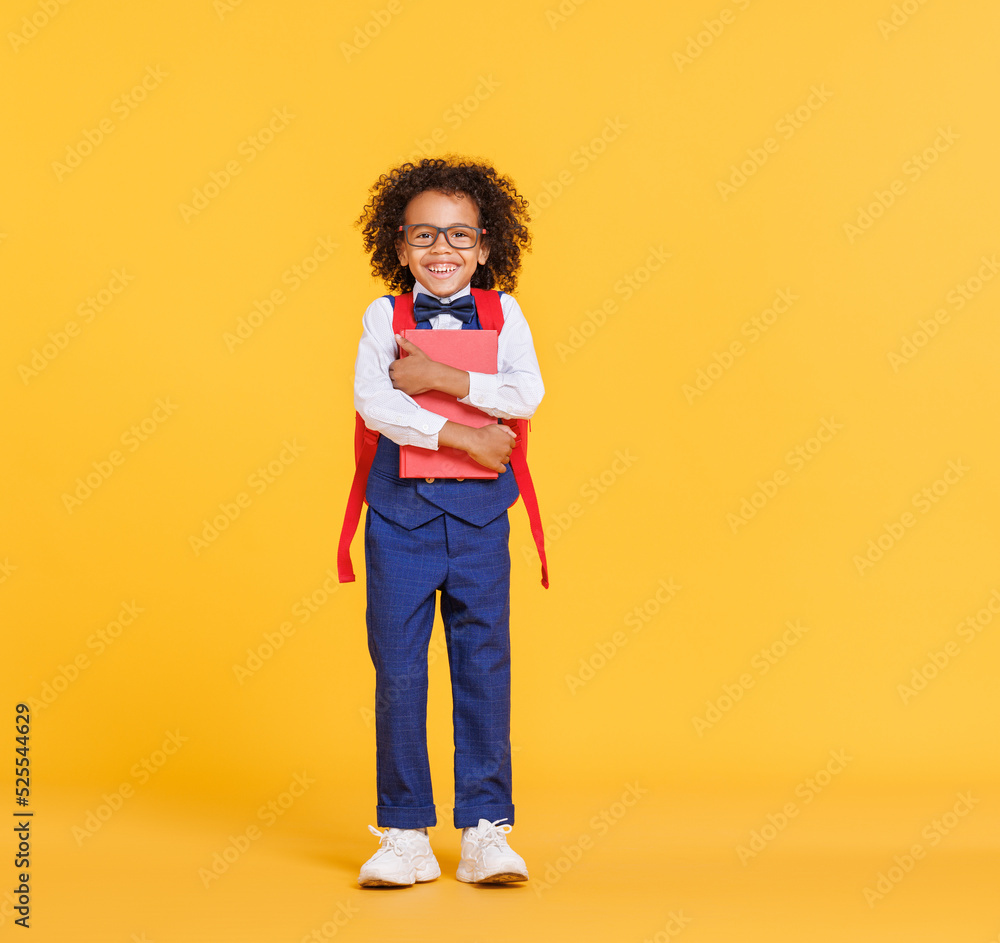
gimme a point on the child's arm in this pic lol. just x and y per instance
(388, 411)
(394, 413)
(516, 389)
(513, 392)
(489, 445)
(417, 373)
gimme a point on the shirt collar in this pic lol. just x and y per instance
(445, 299)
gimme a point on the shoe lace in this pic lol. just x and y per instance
(493, 834)
(394, 843)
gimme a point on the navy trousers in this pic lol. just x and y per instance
(470, 567)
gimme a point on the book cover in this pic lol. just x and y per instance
(467, 350)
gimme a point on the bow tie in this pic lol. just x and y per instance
(427, 306)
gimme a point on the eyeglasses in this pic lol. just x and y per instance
(423, 235)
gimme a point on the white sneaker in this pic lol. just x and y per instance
(404, 857)
(486, 856)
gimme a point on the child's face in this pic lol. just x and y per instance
(441, 268)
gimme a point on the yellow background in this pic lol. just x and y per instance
(618, 122)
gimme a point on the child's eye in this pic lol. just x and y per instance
(461, 236)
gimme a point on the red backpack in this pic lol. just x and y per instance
(366, 442)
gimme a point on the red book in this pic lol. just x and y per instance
(466, 350)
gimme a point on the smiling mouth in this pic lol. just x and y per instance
(442, 270)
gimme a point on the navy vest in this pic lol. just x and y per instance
(411, 502)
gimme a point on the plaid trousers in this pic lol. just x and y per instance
(470, 567)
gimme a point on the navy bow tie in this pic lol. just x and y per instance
(427, 306)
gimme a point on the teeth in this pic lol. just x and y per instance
(442, 268)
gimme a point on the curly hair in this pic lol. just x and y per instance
(503, 212)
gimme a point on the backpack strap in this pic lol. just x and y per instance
(365, 446)
(519, 466)
(490, 313)
(488, 309)
(402, 313)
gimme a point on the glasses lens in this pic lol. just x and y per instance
(462, 237)
(420, 235)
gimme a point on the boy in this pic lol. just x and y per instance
(439, 229)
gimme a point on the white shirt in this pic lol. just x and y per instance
(513, 392)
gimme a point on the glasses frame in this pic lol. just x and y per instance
(405, 230)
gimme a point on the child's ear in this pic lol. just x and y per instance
(484, 251)
(401, 253)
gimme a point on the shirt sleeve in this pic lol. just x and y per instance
(388, 411)
(516, 389)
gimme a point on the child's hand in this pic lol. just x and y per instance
(417, 373)
(492, 445)
(414, 373)
(489, 445)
